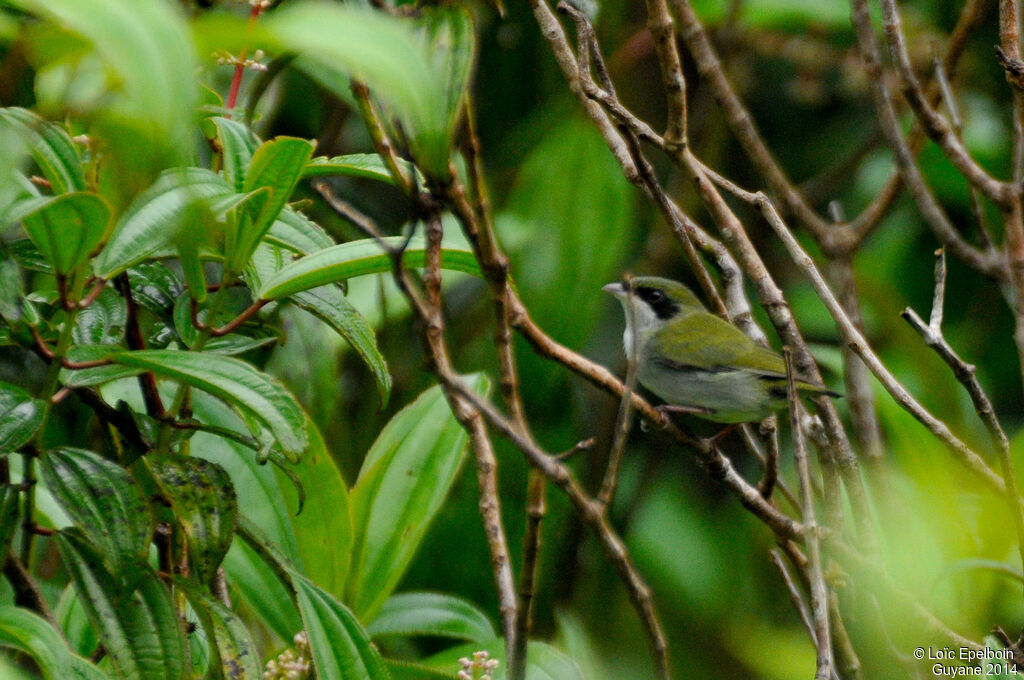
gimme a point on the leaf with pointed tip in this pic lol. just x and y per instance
(230, 639)
(357, 258)
(20, 417)
(33, 635)
(104, 501)
(153, 221)
(331, 306)
(66, 228)
(140, 630)
(237, 143)
(362, 165)
(204, 504)
(235, 382)
(277, 166)
(339, 644)
(403, 482)
(432, 615)
(449, 30)
(51, 147)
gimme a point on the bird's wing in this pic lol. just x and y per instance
(711, 343)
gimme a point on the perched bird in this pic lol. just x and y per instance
(698, 362)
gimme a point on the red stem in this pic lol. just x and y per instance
(236, 81)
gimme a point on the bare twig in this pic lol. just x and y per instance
(856, 341)
(816, 576)
(965, 374)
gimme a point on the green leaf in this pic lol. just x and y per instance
(331, 306)
(397, 64)
(140, 631)
(106, 502)
(204, 504)
(340, 647)
(12, 289)
(277, 166)
(97, 375)
(144, 46)
(67, 228)
(357, 258)
(323, 530)
(298, 233)
(235, 382)
(153, 221)
(363, 165)
(154, 287)
(102, 322)
(402, 484)
(450, 31)
(433, 615)
(20, 417)
(51, 147)
(237, 144)
(230, 640)
(31, 634)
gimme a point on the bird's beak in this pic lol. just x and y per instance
(616, 289)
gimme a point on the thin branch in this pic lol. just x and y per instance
(662, 28)
(965, 373)
(856, 341)
(797, 599)
(937, 128)
(816, 576)
(623, 420)
(938, 221)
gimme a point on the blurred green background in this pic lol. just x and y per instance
(571, 223)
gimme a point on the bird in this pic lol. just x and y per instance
(697, 362)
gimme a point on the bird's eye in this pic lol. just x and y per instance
(656, 296)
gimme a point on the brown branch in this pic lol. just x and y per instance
(935, 126)
(26, 593)
(986, 262)
(133, 336)
(623, 419)
(965, 374)
(815, 574)
(662, 28)
(856, 341)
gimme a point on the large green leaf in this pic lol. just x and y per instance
(397, 64)
(234, 381)
(67, 228)
(204, 504)
(276, 165)
(104, 501)
(140, 631)
(32, 635)
(357, 258)
(153, 221)
(230, 639)
(449, 30)
(146, 51)
(340, 647)
(20, 417)
(51, 148)
(432, 615)
(401, 486)
(323, 530)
